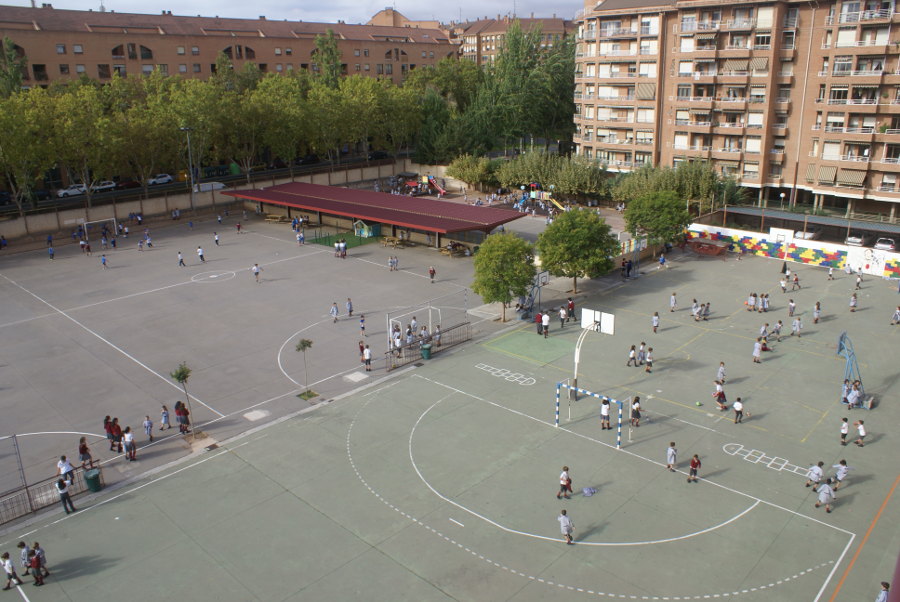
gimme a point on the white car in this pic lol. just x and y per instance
(885, 244)
(71, 190)
(207, 186)
(104, 186)
(855, 240)
(160, 178)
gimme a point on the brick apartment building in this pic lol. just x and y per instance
(63, 44)
(481, 40)
(792, 98)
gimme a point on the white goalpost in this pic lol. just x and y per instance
(620, 404)
(95, 229)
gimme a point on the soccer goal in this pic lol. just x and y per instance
(620, 404)
(97, 229)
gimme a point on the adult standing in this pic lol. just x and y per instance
(431, 273)
(63, 489)
(566, 526)
(570, 309)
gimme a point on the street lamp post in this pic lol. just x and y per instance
(187, 131)
(782, 200)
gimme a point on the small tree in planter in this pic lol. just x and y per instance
(181, 375)
(303, 345)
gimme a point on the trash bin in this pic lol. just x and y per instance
(92, 480)
(426, 351)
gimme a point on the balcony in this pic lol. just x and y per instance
(790, 23)
(588, 35)
(740, 24)
(891, 160)
(852, 158)
(866, 15)
(620, 53)
(737, 47)
(839, 129)
(857, 44)
(617, 98)
(618, 32)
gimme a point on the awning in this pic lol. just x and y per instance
(706, 36)
(645, 91)
(704, 60)
(735, 65)
(700, 111)
(760, 63)
(778, 160)
(851, 177)
(826, 174)
(810, 173)
(728, 163)
(866, 86)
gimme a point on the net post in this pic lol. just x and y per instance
(558, 387)
(619, 433)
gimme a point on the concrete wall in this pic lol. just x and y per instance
(65, 220)
(781, 244)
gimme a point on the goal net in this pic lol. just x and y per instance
(98, 229)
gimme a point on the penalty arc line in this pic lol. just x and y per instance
(110, 343)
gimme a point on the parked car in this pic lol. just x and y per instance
(207, 186)
(104, 186)
(128, 184)
(5, 197)
(160, 178)
(856, 240)
(41, 194)
(378, 154)
(885, 244)
(307, 160)
(71, 190)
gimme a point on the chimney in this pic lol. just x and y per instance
(262, 17)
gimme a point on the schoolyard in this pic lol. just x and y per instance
(438, 481)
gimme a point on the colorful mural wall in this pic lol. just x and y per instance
(878, 263)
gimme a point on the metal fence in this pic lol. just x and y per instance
(411, 352)
(37, 496)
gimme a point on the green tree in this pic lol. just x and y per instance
(286, 131)
(474, 171)
(579, 243)
(198, 105)
(181, 374)
(12, 68)
(363, 99)
(84, 140)
(456, 81)
(401, 113)
(435, 116)
(504, 269)
(327, 131)
(26, 148)
(328, 58)
(303, 345)
(659, 216)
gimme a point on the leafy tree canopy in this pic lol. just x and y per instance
(659, 216)
(579, 243)
(504, 269)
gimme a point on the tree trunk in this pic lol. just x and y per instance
(575, 285)
(192, 424)
(306, 371)
(503, 312)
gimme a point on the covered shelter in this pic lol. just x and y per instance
(400, 214)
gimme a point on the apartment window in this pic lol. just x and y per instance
(687, 44)
(278, 52)
(757, 94)
(63, 69)
(815, 148)
(263, 67)
(279, 67)
(289, 66)
(787, 67)
(102, 70)
(781, 120)
(431, 54)
(389, 69)
(146, 69)
(753, 144)
(843, 65)
(755, 120)
(831, 150)
(365, 52)
(356, 52)
(356, 67)
(119, 70)
(838, 95)
(775, 170)
(647, 70)
(60, 49)
(77, 49)
(132, 51)
(40, 73)
(788, 38)
(778, 145)
(888, 182)
(195, 50)
(367, 67)
(763, 41)
(182, 68)
(685, 67)
(424, 54)
(784, 93)
(179, 50)
(288, 51)
(196, 67)
(751, 170)
(684, 91)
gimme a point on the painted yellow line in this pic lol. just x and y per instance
(815, 426)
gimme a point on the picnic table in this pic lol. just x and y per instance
(391, 241)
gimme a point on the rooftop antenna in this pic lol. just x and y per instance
(514, 9)
(102, 8)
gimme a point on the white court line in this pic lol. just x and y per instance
(22, 593)
(630, 453)
(457, 522)
(834, 568)
(114, 346)
(543, 537)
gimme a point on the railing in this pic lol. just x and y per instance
(615, 97)
(740, 24)
(762, 47)
(646, 51)
(779, 126)
(689, 26)
(790, 23)
(857, 44)
(891, 160)
(783, 100)
(866, 15)
(737, 47)
(730, 125)
(853, 73)
(892, 131)
(735, 73)
(620, 53)
(619, 31)
(839, 129)
(854, 158)
(729, 150)
(31, 498)
(776, 151)
(752, 175)
(731, 99)
(588, 35)
(411, 352)
(887, 187)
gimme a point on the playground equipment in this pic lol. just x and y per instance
(433, 183)
(851, 370)
(592, 394)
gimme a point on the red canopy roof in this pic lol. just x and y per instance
(429, 215)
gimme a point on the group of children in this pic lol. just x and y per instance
(641, 356)
(34, 562)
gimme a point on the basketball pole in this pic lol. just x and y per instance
(573, 392)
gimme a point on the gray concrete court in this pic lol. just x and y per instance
(437, 482)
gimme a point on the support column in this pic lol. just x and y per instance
(849, 208)
(893, 212)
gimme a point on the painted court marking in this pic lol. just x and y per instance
(111, 344)
(536, 536)
(513, 377)
(549, 582)
(754, 456)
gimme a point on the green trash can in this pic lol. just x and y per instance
(426, 351)
(92, 480)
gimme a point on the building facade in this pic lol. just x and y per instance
(61, 45)
(798, 100)
(481, 40)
